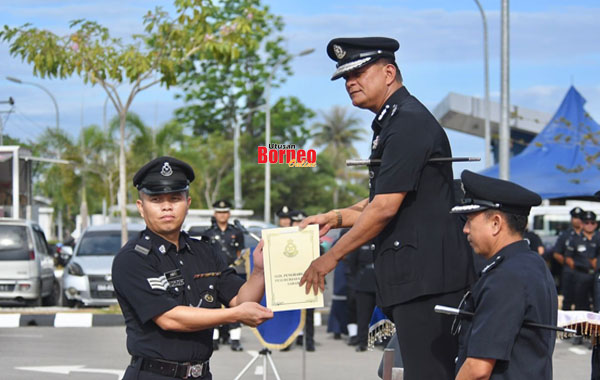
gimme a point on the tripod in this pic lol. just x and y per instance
(266, 354)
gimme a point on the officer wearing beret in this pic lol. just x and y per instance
(567, 285)
(228, 241)
(421, 257)
(169, 286)
(514, 286)
(284, 216)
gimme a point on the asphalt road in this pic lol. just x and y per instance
(99, 353)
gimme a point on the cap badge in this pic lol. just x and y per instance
(221, 204)
(285, 209)
(339, 52)
(166, 170)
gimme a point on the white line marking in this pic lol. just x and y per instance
(578, 351)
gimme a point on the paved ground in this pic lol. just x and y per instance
(99, 354)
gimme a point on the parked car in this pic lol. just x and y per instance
(26, 264)
(87, 277)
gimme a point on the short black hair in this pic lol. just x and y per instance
(516, 223)
(390, 61)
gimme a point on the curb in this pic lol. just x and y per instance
(61, 320)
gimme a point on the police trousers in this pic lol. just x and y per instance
(428, 348)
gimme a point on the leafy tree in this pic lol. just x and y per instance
(337, 133)
(199, 28)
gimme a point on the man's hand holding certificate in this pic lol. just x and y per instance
(287, 253)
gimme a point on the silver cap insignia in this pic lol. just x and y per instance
(166, 170)
(338, 51)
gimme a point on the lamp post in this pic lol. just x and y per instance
(268, 130)
(12, 79)
(486, 128)
(504, 95)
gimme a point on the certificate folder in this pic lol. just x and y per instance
(287, 253)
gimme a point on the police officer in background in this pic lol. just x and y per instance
(365, 286)
(283, 215)
(566, 277)
(514, 286)
(170, 286)
(421, 256)
(228, 240)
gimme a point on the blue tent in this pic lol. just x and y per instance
(563, 160)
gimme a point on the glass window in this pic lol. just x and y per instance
(101, 243)
(14, 243)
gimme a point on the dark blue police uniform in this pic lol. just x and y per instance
(421, 256)
(567, 285)
(228, 242)
(515, 286)
(582, 250)
(151, 276)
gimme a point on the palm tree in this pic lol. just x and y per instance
(337, 133)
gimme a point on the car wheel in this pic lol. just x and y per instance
(54, 297)
(67, 302)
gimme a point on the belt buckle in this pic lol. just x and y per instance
(194, 370)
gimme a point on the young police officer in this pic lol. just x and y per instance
(515, 286)
(170, 286)
(421, 257)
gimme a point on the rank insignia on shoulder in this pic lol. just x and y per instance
(492, 265)
(143, 250)
(394, 109)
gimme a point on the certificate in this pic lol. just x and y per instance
(287, 253)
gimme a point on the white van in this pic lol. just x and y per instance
(548, 221)
(26, 265)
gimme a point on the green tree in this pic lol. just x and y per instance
(337, 133)
(199, 28)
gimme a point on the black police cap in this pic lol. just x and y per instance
(482, 193)
(283, 212)
(297, 215)
(588, 215)
(576, 212)
(353, 53)
(222, 206)
(163, 175)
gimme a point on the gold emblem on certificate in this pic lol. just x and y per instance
(287, 254)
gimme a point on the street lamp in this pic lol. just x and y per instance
(486, 129)
(12, 79)
(268, 129)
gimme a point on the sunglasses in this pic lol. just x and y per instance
(455, 330)
(589, 222)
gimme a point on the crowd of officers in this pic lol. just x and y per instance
(575, 258)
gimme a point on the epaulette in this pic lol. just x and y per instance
(387, 113)
(143, 245)
(492, 265)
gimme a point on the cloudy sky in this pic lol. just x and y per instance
(554, 44)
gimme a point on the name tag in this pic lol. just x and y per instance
(175, 278)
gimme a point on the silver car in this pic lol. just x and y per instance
(87, 277)
(26, 266)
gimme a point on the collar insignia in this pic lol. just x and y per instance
(339, 52)
(375, 143)
(166, 170)
(162, 249)
(491, 265)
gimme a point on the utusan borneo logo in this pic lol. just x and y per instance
(287, 154)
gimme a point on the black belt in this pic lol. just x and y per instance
(584, 270)
(187, 370)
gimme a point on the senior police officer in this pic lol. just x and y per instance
(421, 257)
(169, 285)
(514, 286)
(228, 240)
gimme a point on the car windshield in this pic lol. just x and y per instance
(13, 243)
(101, 243)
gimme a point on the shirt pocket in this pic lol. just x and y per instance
(207, 289)
(398, 257)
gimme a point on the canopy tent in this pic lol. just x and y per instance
(563, 160)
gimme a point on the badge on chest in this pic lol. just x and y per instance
(175, 278)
